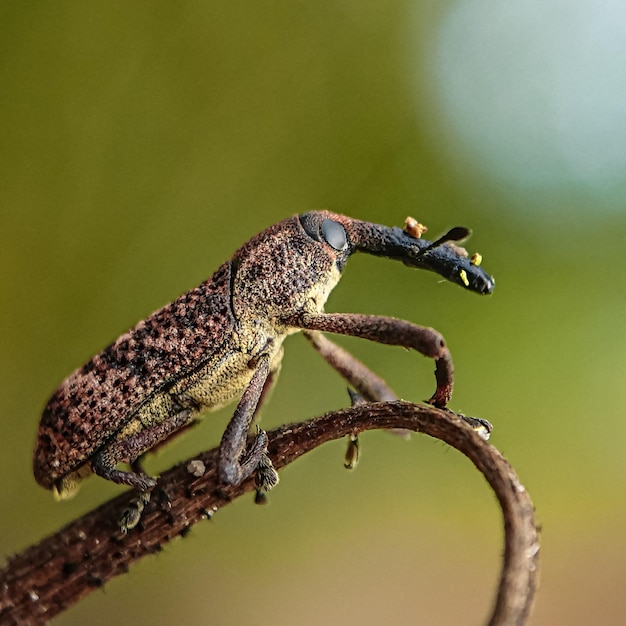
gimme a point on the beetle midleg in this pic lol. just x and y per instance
(235, 465)
(129, 448)
(369, 385)
(391, 331)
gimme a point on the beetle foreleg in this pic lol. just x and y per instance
(236, 464)
(391, 331)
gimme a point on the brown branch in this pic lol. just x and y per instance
(49, 577)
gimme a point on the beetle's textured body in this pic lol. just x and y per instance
(219, 341)
(132, 377)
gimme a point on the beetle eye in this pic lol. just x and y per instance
(335, 234)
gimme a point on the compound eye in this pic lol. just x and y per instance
(335, 234)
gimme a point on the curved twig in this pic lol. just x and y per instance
(49, 577)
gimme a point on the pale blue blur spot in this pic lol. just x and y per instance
(533, 95)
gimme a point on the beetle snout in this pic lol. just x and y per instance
(488, 285)
(483, 284)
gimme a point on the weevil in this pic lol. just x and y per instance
(223, 340)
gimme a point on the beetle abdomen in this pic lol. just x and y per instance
(94, 402)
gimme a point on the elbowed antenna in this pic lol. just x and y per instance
(449, 261)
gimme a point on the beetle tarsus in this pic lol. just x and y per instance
(266, 477)
(132, 513)
(351, 458)
(481, 426)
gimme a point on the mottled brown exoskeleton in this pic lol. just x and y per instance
(224, 340)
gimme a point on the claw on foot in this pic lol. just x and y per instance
(132, 514)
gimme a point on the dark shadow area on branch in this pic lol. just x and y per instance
(53, 575)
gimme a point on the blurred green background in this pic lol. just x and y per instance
(141, 143)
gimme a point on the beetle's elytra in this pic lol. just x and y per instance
(223, 340)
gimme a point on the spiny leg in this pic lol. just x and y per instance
(391, 331)
(235, 463)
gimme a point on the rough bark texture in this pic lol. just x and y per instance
(49, 577)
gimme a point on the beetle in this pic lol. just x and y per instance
(224, 340)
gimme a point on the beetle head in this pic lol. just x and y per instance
(293, 265)
(289, 267)
(343, 236)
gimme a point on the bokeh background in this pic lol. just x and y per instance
(141, 143)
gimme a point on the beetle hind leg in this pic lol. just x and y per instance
(103, 465)
(130, 446)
